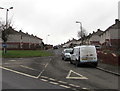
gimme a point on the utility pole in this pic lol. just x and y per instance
(5, 44)
(81, 31)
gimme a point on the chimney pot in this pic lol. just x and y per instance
(116, 21)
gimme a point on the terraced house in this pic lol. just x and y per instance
(20, 40)
(110, 38)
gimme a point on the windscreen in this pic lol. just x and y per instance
(68, 51)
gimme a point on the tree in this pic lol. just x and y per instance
(82, 33)
(5, 33)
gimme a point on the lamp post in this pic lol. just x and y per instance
(81, 31)
(7, 9)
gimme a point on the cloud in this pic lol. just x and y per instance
(58, 17)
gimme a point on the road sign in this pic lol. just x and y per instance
(4, 45)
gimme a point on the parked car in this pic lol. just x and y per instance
(98, 47)
(84, 54)
(55, 47)
(66, 54)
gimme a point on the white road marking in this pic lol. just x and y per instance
(44, 76)
(18, 72)
(38, 77)
(28, 67)
(64, 86)
(12, 60)
(74, 85)
(40, 73)
(44, 80)
(80, 76)
(43, 69)
(53, 82)
(62, 82)
(84, 88)
(46, 65)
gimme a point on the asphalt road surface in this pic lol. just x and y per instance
(54, 73)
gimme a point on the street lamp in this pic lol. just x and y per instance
(7, 9)
(81, 31)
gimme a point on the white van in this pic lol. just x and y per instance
(84, 54)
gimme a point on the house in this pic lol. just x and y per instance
(110, 38)
(94, 38)
(70, 43)
(20, 40)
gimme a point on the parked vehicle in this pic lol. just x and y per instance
(55, 47)
(84, 54)
(66, 54)
(98, 47)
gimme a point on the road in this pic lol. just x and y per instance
(54, 73)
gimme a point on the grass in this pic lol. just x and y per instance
(25, 53)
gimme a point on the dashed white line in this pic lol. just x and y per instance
(44, 76)
(74, 85)
(62, 82)
(52, 79)
(64, 86)
(53, 83)
(84, 88)
(44, 80)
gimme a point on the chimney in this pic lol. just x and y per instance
(99, 30)
(20, 31)
(117, 21)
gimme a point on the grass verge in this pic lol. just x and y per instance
(25, 53)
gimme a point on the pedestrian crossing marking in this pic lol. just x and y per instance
(79, 76)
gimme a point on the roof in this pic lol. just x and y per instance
(13, 31)
(114, 26)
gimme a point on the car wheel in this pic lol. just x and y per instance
(71, 62)
(77, 63)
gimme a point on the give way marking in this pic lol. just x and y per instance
(78, 76)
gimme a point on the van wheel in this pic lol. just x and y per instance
(95, 65)
(77, 63)
(71, 62)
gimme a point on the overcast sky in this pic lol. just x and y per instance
(57, 17)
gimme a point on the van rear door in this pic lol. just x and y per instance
(88, 54)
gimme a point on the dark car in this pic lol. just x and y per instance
(55, 47)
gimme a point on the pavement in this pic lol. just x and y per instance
(108, 67)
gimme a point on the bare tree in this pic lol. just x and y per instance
(82, 33)
(5, 33)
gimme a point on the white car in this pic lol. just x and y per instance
(66, 54)
(84, 54)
